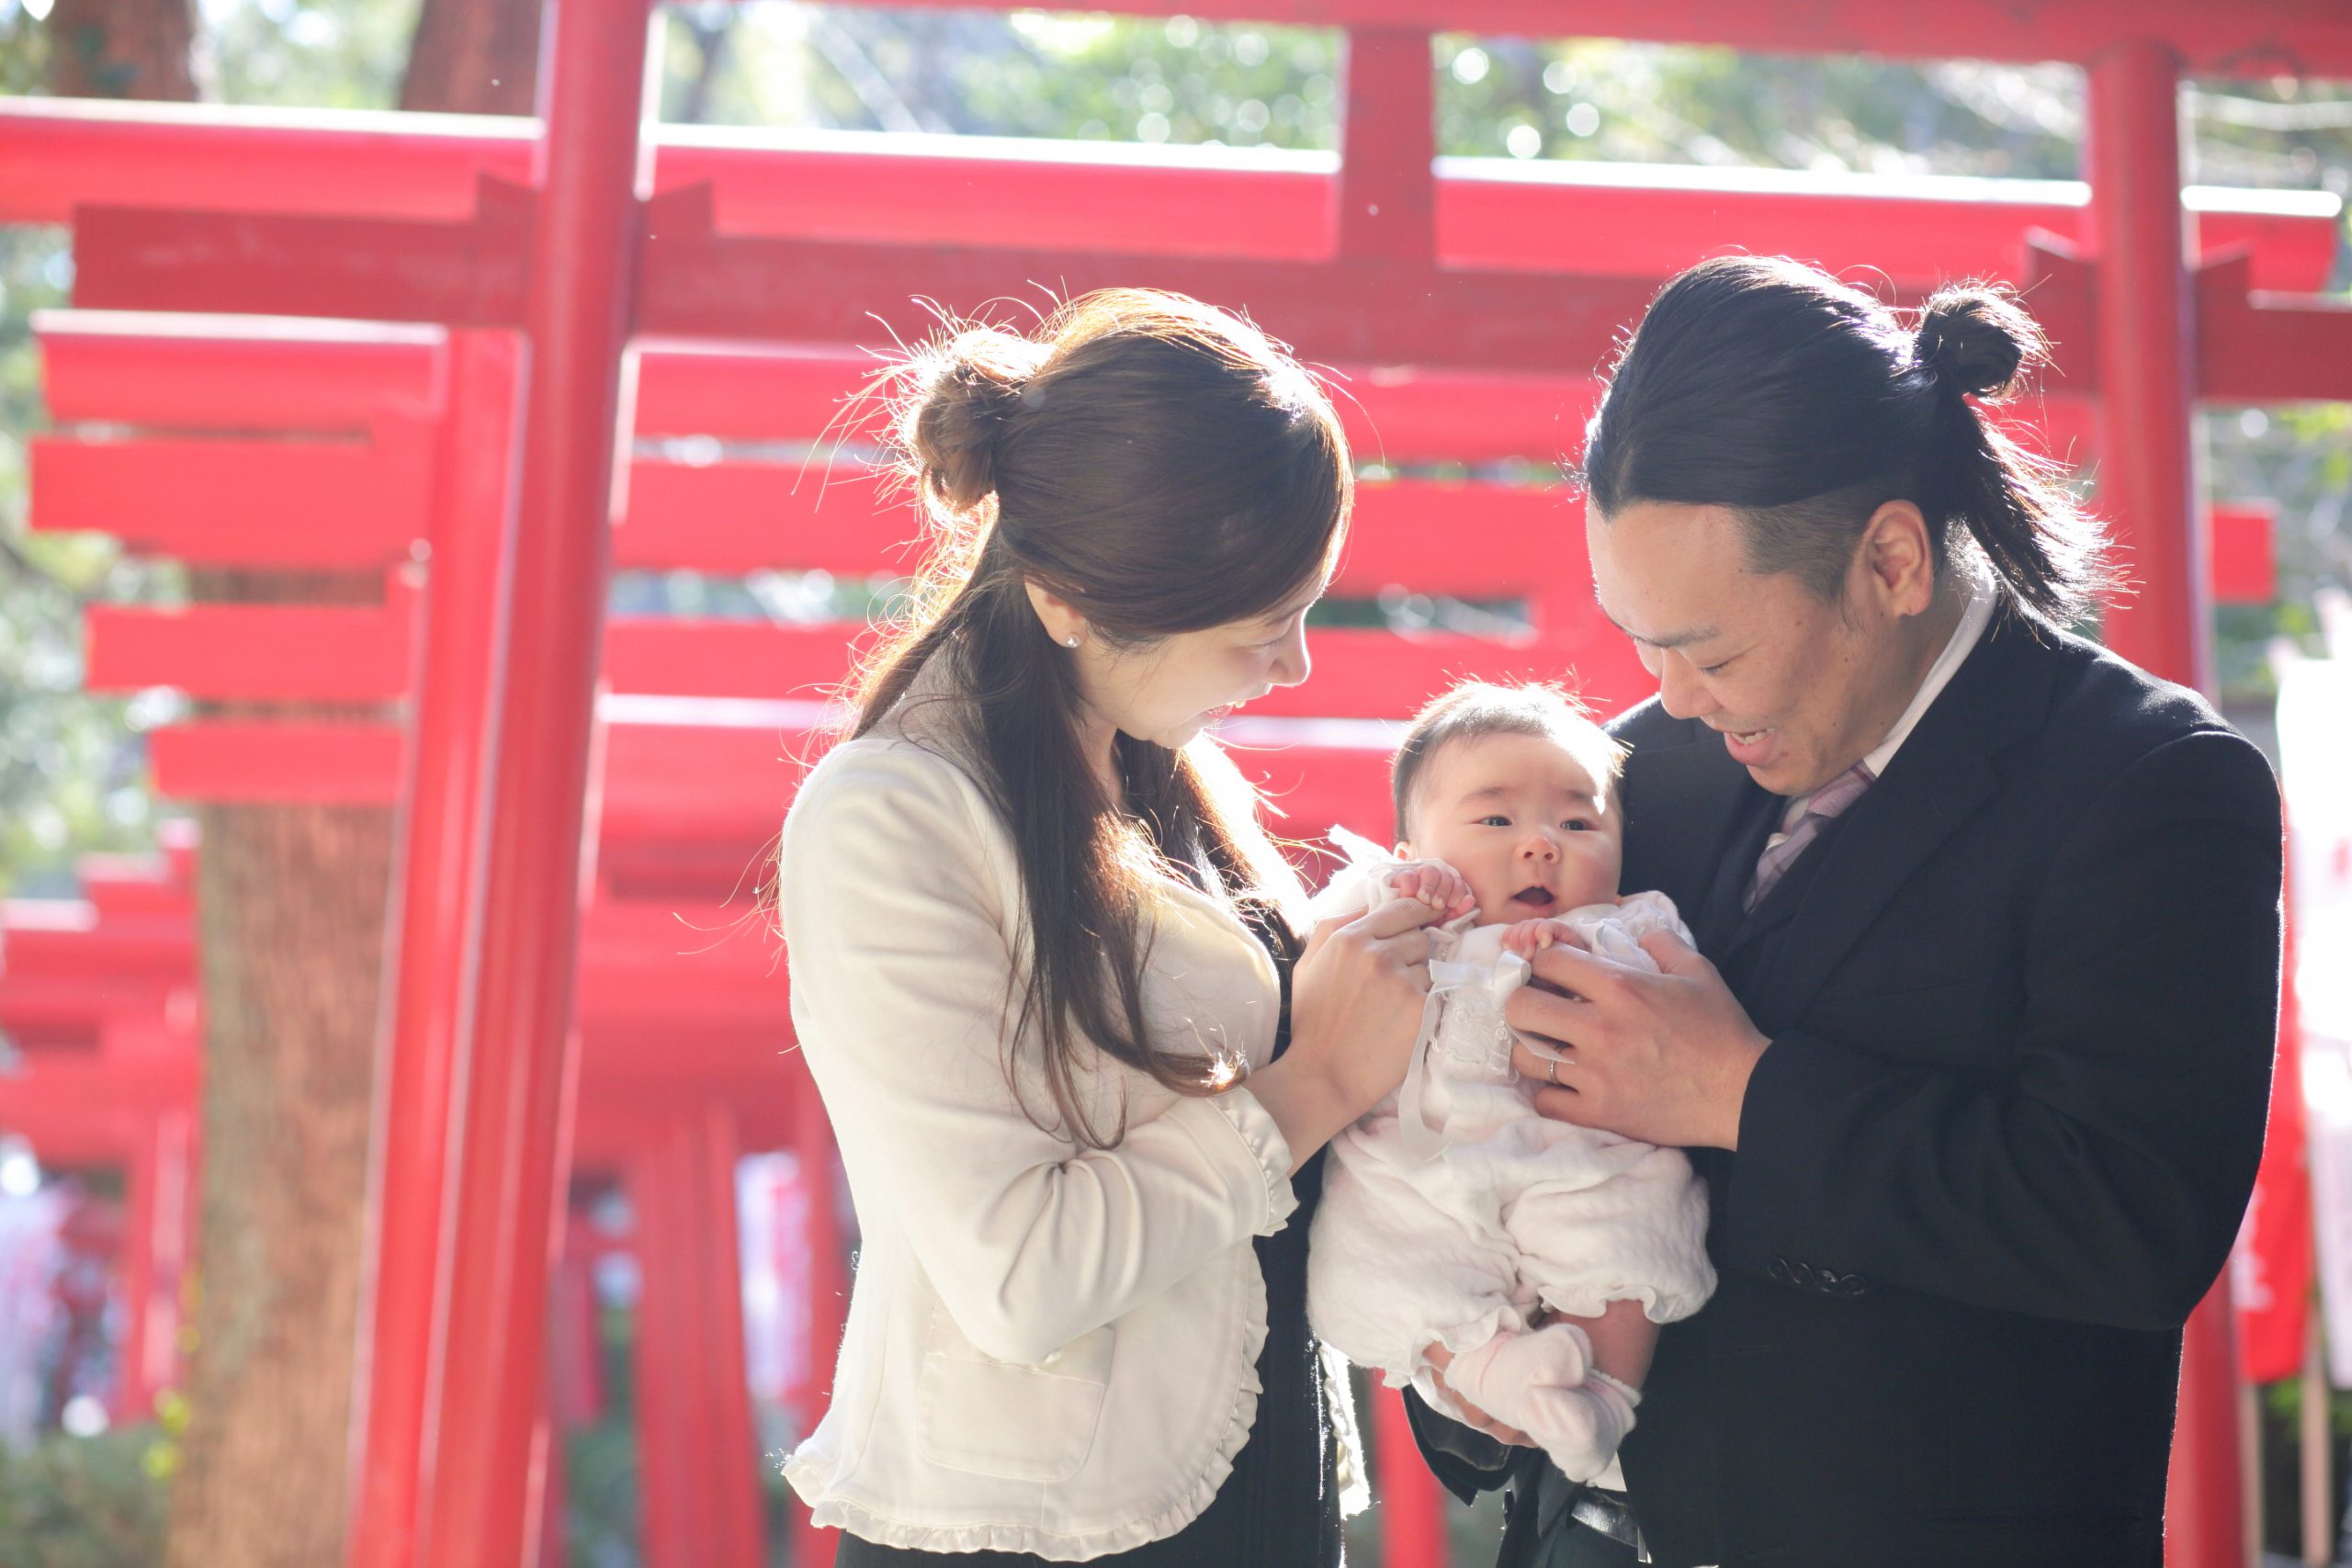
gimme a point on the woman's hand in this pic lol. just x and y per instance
(1355, 1006)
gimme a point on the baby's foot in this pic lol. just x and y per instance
(1544, 1383)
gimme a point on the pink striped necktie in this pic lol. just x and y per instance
(1828, 803)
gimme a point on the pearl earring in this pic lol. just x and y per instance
(1070, 641)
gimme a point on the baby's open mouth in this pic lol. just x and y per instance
(1534, 897)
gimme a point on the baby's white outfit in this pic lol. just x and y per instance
(1452, 1210)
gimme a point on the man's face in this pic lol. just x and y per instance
(1799, 692)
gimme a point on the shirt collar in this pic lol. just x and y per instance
(1974, 616)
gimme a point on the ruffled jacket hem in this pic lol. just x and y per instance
(806, 1475)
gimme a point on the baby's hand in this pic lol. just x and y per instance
(1528, 938)
(1436, 883)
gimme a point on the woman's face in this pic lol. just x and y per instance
(1167, 691)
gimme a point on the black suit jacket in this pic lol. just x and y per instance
(2022, 1002)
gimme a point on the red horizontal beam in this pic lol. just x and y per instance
(670, 783)
(64, 962)
(2254, 346)
(209, 373)
(273, 652)
(2251, 346)
(206, 373)
(2244, 553)
(900, 190)
(263, 764)
(252, 652)
(695, 282)
(288, 504)
(136, 953)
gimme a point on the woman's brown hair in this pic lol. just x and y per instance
(1164, 467)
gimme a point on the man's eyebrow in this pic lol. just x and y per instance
(1672, 639)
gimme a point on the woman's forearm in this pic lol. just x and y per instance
(1308, 1107)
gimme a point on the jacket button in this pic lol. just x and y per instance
(1778, 1269)
(1802, 1273)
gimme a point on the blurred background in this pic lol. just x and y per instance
(92, 1426)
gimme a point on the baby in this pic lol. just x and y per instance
(1453, 1215)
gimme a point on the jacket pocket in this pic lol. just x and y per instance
(1013, 1422)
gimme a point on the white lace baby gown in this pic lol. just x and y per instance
(1451, 1209)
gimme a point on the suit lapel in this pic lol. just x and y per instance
(1727, 924)
(1685, 803)
(1943, 773)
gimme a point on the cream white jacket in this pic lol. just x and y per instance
(1049, 1349)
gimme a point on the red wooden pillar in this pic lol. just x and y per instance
(435, 924)
(488, 1418)
(1412, 1508)
(2148, 364)
(1387, 212)
(2147, 370)
(812, 1146)
(699, 1484)
(158, 1182)
(1388, 190)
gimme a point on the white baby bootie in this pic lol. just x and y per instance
(1544, 1383)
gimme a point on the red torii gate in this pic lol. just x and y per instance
(286, 396)
(581, 229)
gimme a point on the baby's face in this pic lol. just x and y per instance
(1523, 821)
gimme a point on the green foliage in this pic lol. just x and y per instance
(1648, 102)
(82, 1502)
(344, 54)
(1088, 77)
(73, 772)
(600, 1492)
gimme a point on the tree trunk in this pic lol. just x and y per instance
(123, 49)
(291, 918)
(474, 57)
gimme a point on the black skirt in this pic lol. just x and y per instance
(1280, 1508)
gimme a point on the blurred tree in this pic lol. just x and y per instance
(290, 912)
(291, 903)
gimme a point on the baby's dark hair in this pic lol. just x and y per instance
(1475, 708)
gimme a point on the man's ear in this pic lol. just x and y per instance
(1898, 555)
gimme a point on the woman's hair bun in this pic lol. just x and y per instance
(1977, 339)
(964, 389)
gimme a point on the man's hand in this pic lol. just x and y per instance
(1664, 1057)
(1441, 1357)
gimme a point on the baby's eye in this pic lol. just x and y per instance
(1577, 825)
(1494, 819)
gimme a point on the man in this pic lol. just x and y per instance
(1976, 1062)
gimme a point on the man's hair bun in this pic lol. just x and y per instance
(1976, 339)
(964, 389)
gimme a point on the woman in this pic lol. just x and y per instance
(1040, 955)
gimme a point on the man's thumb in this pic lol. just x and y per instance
(1674, 956)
